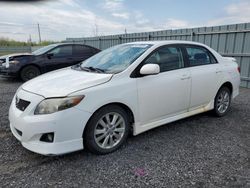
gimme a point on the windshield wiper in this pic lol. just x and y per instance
(92, 69)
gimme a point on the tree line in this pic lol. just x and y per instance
(11, 42)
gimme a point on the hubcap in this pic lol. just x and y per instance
(30, 73)
(223, 102)
(109, 130)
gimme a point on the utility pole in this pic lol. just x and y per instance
(96, 29)
(30, 40)
(39, 33)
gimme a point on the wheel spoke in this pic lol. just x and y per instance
(98, 139)
(225, 96)
(111, 140)
(103, 124)
(220, 98)
(105, 142)
(100, 131)
(224, 107)
(117, 136)
(120, 130)
(220, 107)
(107, 117)
(115, 117)
(118, 122)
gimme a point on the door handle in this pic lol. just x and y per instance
(185, 77)
(218, 71)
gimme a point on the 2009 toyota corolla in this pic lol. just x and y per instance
(136, 86)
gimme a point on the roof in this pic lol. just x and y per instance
(69, 43)
(163, 42)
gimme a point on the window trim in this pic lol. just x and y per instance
(136, 72)
(92, 49)
(59, 46)
(209, 53)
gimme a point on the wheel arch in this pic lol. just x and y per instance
(227, 84)
(127, 109)
(32, 64)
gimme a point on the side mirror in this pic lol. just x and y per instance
(150, 69)
(50, 55)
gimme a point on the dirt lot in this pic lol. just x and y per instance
(201, 151)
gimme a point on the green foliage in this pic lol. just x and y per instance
(45, 43)
(9, 42)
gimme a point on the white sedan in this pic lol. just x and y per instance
(137, 86)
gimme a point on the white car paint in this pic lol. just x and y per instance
(56, 84)
(154, 100)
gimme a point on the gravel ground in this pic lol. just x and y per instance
(200, 151)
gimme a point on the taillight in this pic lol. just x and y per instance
(238, 69)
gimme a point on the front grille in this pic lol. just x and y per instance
(21, 104)
(1, 61)
(19, 132)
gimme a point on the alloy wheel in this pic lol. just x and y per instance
(109, 130)
(223, 101)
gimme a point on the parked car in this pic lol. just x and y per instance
(136, 86)
(52, 57)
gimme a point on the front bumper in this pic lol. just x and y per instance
(8, 72)
(67, 126)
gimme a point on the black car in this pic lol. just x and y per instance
(52, 57)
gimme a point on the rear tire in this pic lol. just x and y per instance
(29, 72)
(222, 102)
(107, 130)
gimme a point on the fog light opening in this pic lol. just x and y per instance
(48, 137)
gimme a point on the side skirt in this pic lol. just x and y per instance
(140, 128)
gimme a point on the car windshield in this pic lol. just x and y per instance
(115, 59)
(43, 50)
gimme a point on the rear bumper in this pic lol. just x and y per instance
(235, 93)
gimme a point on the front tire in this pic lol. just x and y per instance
(29, 72)
(222, 102)
(107, 130)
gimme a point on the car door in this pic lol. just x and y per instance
(81, 52)
(59, 57)
(205, 73)
(168, 92)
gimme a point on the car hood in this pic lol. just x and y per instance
(11, 57)
(64, 82)
(15, 55)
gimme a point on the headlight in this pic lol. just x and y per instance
(51, 105)
(14, 62)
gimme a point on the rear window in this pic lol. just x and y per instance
(62, 51)
(80, 50)
(199, 56)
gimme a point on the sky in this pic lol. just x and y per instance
(61, 19)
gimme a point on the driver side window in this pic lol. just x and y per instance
(62, 51)
(168, 58)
